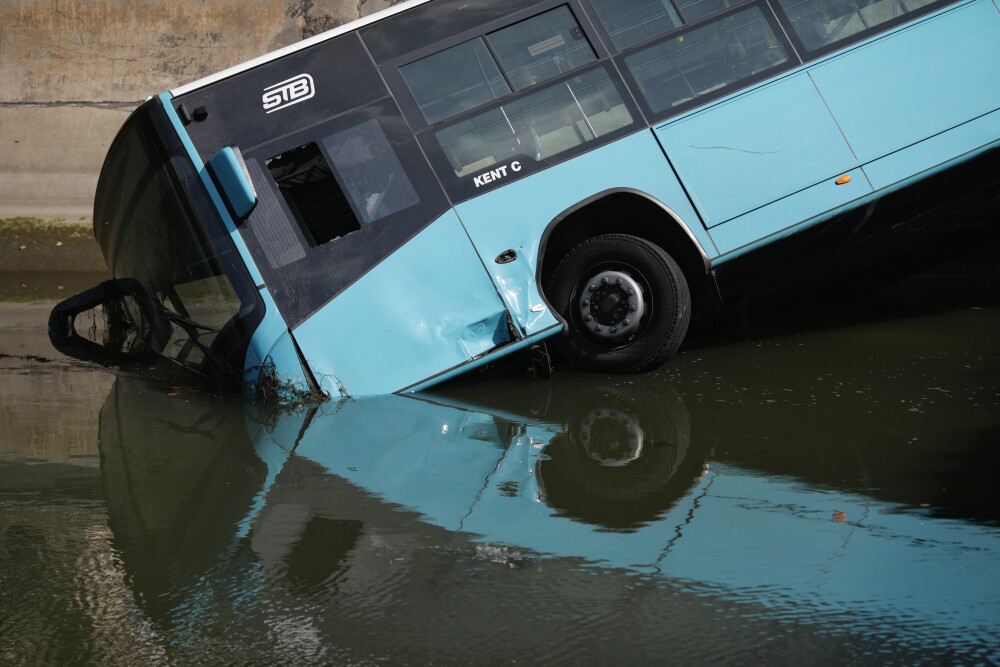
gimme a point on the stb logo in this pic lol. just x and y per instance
(290, 91)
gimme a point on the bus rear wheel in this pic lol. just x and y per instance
(625, 302)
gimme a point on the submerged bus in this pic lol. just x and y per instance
(405, 198)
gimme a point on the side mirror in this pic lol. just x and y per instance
(122, 326)
(229, 172)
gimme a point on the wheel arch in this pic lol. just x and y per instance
(633, 212)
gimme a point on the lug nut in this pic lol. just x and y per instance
(619, 282)
(597, 327)
(631, 292)
(604, 280)
(626, 322)
(614, 329)
(632, 307)
(586, 302)
(588, 317)
(592, 287)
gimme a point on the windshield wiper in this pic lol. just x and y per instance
(185, 323)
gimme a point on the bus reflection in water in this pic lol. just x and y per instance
(334, 513)
(588, 173)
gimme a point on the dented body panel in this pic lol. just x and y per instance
(426, 309)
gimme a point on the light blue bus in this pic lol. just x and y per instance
(414, 195)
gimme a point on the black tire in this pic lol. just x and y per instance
(625, 275)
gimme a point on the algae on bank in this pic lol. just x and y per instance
(33, 244)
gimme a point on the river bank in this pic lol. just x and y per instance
(29, 244)
(72, 71)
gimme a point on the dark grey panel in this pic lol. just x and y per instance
(342, 78)
(303, 278)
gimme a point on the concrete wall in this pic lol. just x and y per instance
(72, 70)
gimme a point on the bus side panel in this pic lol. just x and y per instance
(965, 140)
(425, 309)
(516, 215)
(824, 198)
(910, 85)
(757, 148)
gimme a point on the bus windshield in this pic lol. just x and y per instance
(157, 227)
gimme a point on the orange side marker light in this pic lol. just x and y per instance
(846, 178)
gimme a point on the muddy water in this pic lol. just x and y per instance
(807, 485)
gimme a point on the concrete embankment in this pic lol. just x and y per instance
(72, 70)
(31, 244)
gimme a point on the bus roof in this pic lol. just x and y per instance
(298, 46)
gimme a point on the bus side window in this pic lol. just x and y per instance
(374, 179)
(454, 80)
(632, 21)
(312, 194)
(705, 60)
(537, 126)
(819, 23)
(696, 9)
(541, 47)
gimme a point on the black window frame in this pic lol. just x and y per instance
(419, 28)
(808, 55)
(606, 35)
(461, 188)
(786, 29)
(408, 105)
(657, 116)
(686, 24)
(509, 75)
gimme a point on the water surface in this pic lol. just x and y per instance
(812, 484)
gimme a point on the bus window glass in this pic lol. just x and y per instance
(313, 196)
(696, 9)
(541, 47)
(632, 21)
(374, 179)
(819, 23)
(209, 302)
(454, 80)
(168, 253)
(537, 126)
(705, 60)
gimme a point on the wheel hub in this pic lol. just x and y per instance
(611, 437)
(611, 305)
